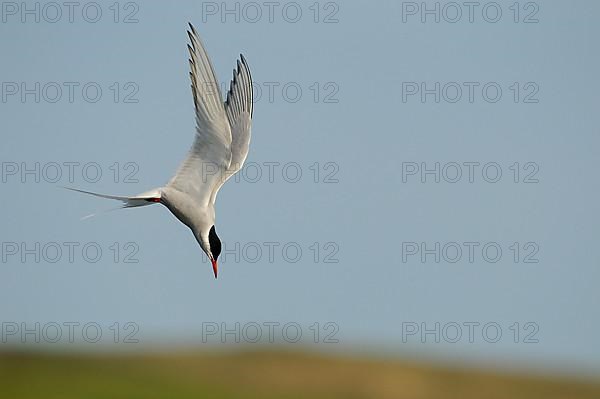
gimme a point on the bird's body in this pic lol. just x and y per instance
(219, 150)
(185, 208)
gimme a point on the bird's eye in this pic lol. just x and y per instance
(215, 243)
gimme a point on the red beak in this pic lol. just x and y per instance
(214, 263)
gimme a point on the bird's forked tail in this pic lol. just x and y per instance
(147, 198)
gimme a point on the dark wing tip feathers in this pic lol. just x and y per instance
(241, 67)
(191, 37)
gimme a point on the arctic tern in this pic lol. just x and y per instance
(219, 150)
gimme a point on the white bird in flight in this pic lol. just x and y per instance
(219, 150)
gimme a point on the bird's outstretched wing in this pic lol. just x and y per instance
(207, 162)
(239, 109)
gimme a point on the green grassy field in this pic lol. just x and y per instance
(261, 375)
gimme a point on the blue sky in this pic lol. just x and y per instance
(402, 173)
